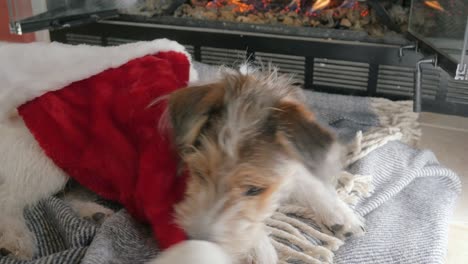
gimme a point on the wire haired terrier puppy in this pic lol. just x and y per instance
(249, 143)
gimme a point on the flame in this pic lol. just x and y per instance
(364, 12)
(434, 4)
(212, 5)
(319, 5)
(239, 5)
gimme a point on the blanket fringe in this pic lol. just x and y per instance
(374, 139)
(398, 114)
(293, 228)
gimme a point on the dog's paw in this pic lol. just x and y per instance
(344, 223)
(91, 211)
(16, 240)
(194, 252)
(262, 253)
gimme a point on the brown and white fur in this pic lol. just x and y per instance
(249, 143)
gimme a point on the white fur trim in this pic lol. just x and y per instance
(193, 252)
(30, 70)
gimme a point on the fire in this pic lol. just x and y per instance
(240, 7)
(434, 4)
(365, 12)
(319, 5)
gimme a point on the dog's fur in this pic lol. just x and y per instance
(249, 143)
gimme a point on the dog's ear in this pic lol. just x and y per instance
(306, 140)
(190, 109)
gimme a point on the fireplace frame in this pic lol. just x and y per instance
(374, 54)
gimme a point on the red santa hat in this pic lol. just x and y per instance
(93, 119)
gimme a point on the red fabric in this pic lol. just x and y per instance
(102, 133)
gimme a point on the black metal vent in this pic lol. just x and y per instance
(288, 64)
(216, 56)
(341, 74)
(395, 80)
(440, 92)
(117, 41)
(400, 81)
(431, 81)
(457, 92)
(190, 50)
(73, 38)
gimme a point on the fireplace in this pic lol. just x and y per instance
(376, 18)
(376, 21)
(359, 47)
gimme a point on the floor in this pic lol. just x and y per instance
(447, 137)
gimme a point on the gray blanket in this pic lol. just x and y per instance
(407, 215)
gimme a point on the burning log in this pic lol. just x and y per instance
(342, 14)
(319, 5)
(345, 23)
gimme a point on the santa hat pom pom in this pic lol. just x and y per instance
(193, 252)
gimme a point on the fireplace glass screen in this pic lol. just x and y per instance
(31, 15)
(376, 17)
(443, 25)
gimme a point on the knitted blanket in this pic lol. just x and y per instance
(405, 196)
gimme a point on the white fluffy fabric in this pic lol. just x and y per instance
(193, 252)
(26, 72)
(30, 70)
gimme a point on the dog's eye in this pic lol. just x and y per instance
(199, 176)
(254, 191)
(197, 143)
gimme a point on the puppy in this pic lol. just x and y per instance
(249, 143)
